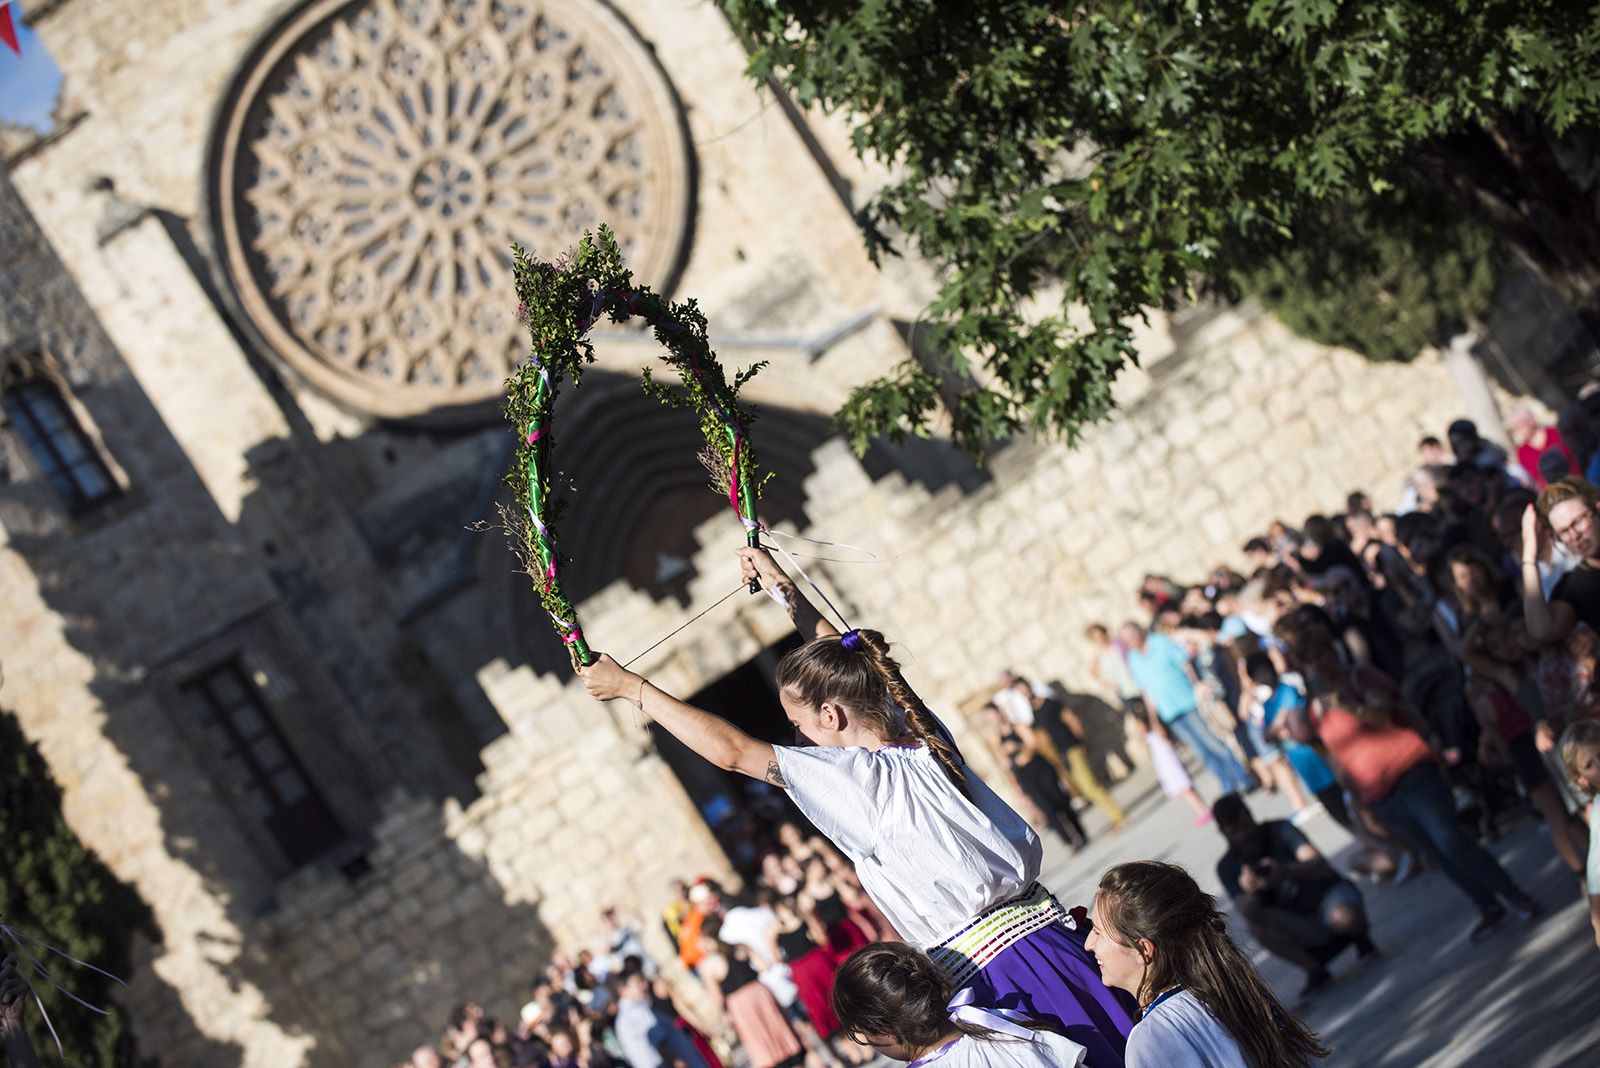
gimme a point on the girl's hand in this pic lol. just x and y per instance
(607, 680)
(758, 564)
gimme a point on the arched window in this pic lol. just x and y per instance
(61, 449)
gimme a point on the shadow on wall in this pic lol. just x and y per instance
(1105, 731)
(636, 492)
(381, 961)
(223, 693)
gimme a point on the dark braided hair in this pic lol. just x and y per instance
(895, 989)
(1161, 903)
(856, 670)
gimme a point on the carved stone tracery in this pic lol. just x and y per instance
(380, 157)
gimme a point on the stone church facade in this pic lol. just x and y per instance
(254, 317)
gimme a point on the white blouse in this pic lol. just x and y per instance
(1179, 1030)
(931, 859)
(1046, 1050)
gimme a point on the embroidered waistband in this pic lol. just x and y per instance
(969, 950)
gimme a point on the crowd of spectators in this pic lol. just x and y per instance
(1408, 673)
(752, 972)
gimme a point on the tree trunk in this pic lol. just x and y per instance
(1472, 382)
(1513, 177)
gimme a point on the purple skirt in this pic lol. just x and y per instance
(1050, 977)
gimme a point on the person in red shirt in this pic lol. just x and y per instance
(1376, 745)
(1533, 440)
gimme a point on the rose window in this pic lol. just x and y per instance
(379, 158)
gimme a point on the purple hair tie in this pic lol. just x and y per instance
(851, 640)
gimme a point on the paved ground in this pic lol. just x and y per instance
(1529, 996)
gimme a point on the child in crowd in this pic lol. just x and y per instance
(953, 867)
(893, 998)
(1170, 772)
(1272, 767)
(1272, 696)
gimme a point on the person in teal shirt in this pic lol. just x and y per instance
(1163, 672)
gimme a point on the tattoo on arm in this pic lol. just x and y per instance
(775, 775)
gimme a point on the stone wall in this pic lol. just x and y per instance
(470, 902)
(1243, 424)
(90, 603)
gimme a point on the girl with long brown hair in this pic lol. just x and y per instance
(1158, 936)
(949, 863)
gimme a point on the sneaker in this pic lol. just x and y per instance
(1307, 814)
(1316, 979)
(1487, 922)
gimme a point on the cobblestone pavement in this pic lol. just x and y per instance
(1528, 996)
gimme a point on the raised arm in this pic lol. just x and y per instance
(758, 564)
(711, 736)
(1548, 621)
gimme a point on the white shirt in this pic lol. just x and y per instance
(1179, 1031)
(1015, 707)
(1046, 1050)
(754, 928)
(929, 858)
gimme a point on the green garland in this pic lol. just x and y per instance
(560, 304)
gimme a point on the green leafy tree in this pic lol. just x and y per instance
(1137, 151)
(58, 891)
(1383, 276)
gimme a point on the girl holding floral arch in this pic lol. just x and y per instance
(950, 864)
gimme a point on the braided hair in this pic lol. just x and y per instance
(1161, 903)
(856, 670)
